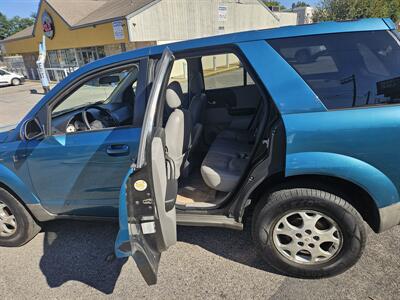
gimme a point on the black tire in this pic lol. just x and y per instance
(26, 228)
(286, 200)
(15, 81)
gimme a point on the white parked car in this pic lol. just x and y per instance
(9, 78)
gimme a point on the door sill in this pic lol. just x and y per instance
(208, 221)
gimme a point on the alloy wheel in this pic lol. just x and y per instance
(307, 237)
(8, 224)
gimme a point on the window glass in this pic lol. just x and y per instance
(222, 71)
(53, 59)
(67, 58)
(2, 72)
(348, 69)
(180, 73)
(98, 90)
(249, 80)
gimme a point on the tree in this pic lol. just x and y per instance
(340, 10)
(10, 26)
(300, 4)
(274, 3)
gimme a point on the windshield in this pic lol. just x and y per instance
(99, 90)
(347, 69)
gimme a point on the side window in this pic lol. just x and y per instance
(2, 72)
(95, 91)
(180, 73)
(224, 71)
(105, 101)
(348, 69)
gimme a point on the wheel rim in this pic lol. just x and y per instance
(15, 81)
(8, 225)
(307, 237)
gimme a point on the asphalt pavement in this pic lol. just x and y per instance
(73, 260)
(16, 101)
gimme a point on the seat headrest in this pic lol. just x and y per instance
(174, 94)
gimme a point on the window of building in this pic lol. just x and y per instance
(90, 54)
(348, 69)
(224, 71)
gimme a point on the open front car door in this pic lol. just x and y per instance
(147, 214)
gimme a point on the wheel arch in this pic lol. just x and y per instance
(19, 79)
(18, 198)
(16, 187)
(356, 195)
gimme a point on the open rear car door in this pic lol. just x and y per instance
(147, 214)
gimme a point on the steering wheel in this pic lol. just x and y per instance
(105, 111)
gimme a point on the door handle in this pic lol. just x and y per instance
(117, 150)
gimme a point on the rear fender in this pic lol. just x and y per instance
(373, 181)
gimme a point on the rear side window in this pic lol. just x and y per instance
(348, 69)
(224, 71)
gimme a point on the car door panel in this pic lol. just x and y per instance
(81, 173)
(148, 194)
(232, 108)
(5, 78)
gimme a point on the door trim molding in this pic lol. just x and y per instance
(203, 220)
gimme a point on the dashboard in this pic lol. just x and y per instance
(97, 117)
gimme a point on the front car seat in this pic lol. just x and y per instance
(177, 128)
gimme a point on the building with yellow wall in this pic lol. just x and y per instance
(82, 31)
(78, 32)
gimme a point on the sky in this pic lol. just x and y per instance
(24, 8)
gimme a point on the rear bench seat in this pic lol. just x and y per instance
(228, 156)
(224, 163)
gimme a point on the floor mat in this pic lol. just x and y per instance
(194, 190)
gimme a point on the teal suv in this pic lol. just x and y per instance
(292, 131)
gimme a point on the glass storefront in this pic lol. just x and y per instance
(60, 63)
(89, 54)
(71, 58)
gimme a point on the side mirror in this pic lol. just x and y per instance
(32, 130)
(107, 80)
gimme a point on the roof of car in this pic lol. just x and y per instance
(241, 37)
(247, 36)
(289, 31)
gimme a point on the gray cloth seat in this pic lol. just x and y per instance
(225, 163)
(228, 146)
(238, 135)
(245, 135)
(229, 155)
(196, 107)
(222, 171)
(177, 128)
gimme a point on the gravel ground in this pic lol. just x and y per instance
(71, 259)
